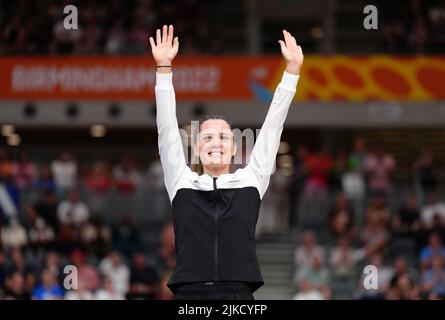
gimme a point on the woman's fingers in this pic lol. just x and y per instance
(176, 43)
(294, 41)
(290, 41)
(285, 37)
(164, 36)
(158, 37)
(164, 33)
(170, 34)
(152, 42)
(282, 45)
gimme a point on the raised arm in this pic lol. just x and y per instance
(170, 146)
(262, 159)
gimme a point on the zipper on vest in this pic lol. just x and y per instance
(216, 230)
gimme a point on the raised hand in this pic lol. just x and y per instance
(166, 47)
(292, 53)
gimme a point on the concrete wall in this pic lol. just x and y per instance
(314, 115)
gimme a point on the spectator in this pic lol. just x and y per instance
(49, 289)
(374, 236)
(136, 40)
(15, 287)
(430, 209)
(273, 216)
(80, 293)
(16, 263)
(96, 236)
(436, 16)
(401, 269)
(127, 176)
(394, 34)
(115, 44)
(317, 166)
(308, 292)
(108, 291)
(40, 234)
(433, 278)
(53, 264)
(404, 288)
(46, 208)
(309, 249)
(317, 275)
(435, 247)
(9, 198)
(6, 165)
(125, 236)
(99, 181)
(359, 154)
(338, 170)
(343, 260)
(341, 220)
(378, 167)
(297, 183)
(118, 273)
(155, 176)
(86, 272)
(157, 192)
(379, 210)
(407, 221)
(64, 170)
(314, 207)
(438, 227)
(45, 181)
(72, 211)
(14, 235)
(354, 186)
(24, 172)
(426, 171)
(418, 37)
(2, 268)
(143, 279)
(167, 251)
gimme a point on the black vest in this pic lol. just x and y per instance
(215, 235)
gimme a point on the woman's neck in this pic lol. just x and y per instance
(216, 172)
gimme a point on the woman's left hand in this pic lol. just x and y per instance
(292, 53)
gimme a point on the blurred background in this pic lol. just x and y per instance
(360, 170)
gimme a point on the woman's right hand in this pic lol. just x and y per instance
(165, 48)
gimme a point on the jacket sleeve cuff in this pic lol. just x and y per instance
(164, 80)
(290, 80)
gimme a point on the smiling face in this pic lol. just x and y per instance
(216, 145)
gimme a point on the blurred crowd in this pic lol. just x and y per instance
(111, 220)
(123, 26)
(352, 215)
(117, 27)
(414, 26)
(58, 215)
